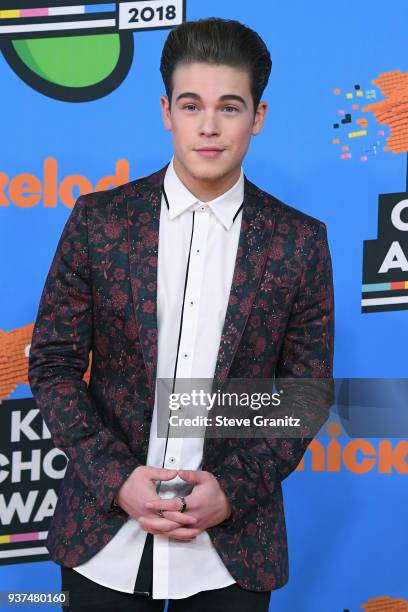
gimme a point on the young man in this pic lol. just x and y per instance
(191, 272)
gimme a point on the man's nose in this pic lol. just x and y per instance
(209, 124)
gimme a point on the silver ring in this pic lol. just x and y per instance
(184, 505)
(160, 513)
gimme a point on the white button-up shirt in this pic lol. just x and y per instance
(197, 249)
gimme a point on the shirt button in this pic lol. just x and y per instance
(185, 355)
(171, 460)
(198, 250)
(191, 303)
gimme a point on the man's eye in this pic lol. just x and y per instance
(190, 107)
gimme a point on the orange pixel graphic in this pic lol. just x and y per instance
(362, 122)
(393, 111)
(386, 604)
(14, 352)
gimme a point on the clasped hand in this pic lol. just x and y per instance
(207, 504)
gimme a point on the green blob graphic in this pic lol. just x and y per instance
(71, 61)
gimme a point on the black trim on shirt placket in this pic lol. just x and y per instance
(144, 577)
(180, 332)
(165, 197)
(237, 212)
(182, 314)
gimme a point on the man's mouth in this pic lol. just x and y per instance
(209, 152)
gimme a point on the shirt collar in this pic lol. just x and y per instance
(225, 207)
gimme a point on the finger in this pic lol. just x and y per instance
(164, 504)
(162, 474)
(181, 533)
(172, 509)
(191, 476)
(181, 517)
(160, 524)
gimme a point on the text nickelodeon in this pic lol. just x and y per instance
(26, 190)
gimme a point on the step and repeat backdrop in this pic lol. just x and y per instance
(80, 111)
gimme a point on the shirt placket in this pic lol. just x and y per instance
(184, 368)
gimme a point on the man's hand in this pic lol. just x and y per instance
(207, 504)
(139, 488)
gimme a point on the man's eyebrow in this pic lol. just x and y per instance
(190, 94)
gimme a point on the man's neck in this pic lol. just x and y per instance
(206, 190)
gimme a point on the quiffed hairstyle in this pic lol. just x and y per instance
(217, 41)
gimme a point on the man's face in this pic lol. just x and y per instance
(211, 108)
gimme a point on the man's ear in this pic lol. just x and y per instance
(259, 117)
(164, 102)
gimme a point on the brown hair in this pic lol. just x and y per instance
(217, 41)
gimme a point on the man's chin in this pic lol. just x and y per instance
(204, 171)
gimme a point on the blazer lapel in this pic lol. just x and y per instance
(257, 225)
(143, 225)
(143, 234)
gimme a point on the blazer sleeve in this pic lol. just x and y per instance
(249, 475)
(58, 360)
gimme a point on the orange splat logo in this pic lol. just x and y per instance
(393, 111)
(14, 352)
(386, 604)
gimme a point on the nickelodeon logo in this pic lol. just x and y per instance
(27, 190)
(358, 455)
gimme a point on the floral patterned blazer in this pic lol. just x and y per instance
(100, 296)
